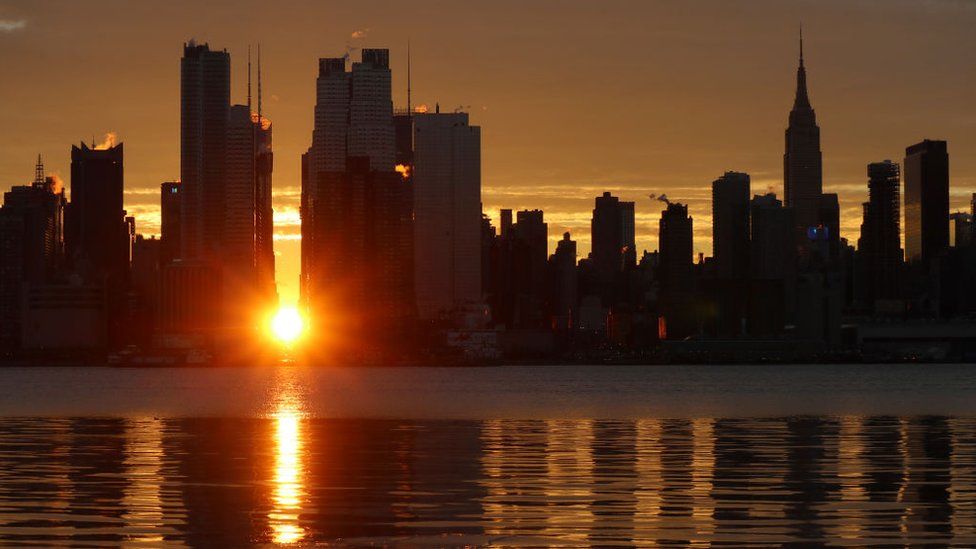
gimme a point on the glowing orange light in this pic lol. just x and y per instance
(403, 170)
(289, 475)
(287, 325)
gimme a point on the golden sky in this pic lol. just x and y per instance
(574, 97)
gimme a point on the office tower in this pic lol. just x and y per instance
(505, 223)
(447, 213)
(371, 132)
(356, 210)
(730, 225)
(31, 247)
(247, 248)
(828, 232)
(773, 265)
(613, 243)
(926, 201)
(529, 241)
(96, 234)
(879, 251)
(772, 245)
(171, 201)
(961, 233)
(204, 115)
(802, 162)
(563, 285)
(676, 271)
(677, 245)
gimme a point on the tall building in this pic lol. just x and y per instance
(730, 225)
(204, 115)
(613, 242)
(879, 252)
(356, 209)
(447, 213)
(926, 200)
(171, 204)
(247, 247)
(802, 162)
(31, 247)
(96, 232)
(529, 237)
(564, 285)
(773, 268)
(676, 271)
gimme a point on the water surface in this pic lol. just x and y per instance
(571, 456)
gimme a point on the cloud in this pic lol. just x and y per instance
(361, 33)
(11, 25)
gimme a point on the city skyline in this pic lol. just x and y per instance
(683, 160)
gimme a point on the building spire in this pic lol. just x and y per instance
(801, 44)
(39, 172)
(259, 81)
(802, 100)
(249, 78)
(409, 104)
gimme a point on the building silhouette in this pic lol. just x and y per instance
(730, 225)
(729, 285)
(31, 248)
(171, 204)
(773, 266)
(802, 162)
(447, 212)
(564, 285)
(926, 201)
(247, 249)
(879, 253)
(613, 243)
(357, 211)
(204, 115)
(676, 272)
(96, 232)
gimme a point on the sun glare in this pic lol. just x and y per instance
(287, 325)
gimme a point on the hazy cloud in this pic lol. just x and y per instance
(361, 33)
(11, 25)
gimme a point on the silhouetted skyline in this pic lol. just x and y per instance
(881, 75)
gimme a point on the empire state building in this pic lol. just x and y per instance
(802, 162)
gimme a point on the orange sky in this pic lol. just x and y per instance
(574, 97)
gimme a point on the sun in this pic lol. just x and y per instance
(287, 324)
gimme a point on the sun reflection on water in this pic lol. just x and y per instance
(289, 474)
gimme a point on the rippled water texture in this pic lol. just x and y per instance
(287, 474)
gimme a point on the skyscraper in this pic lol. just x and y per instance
(563, 284)
(676, 241)
(96, 234)
(879, 252)
(773, 267)
(204, 114)
(730, 225)
(447, 212)
(613, 242)
(802, 162)
(247, 248)
(171, 202)
(926, 200)
(31, 247)
(356, 210)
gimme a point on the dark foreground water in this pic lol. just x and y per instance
(572, 456)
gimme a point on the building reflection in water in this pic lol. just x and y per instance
(288, 479)
(289, 492)
(143, 495)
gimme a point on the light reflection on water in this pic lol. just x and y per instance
(288, 477)
(649, 482)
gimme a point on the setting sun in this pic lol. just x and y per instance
(287, 324)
